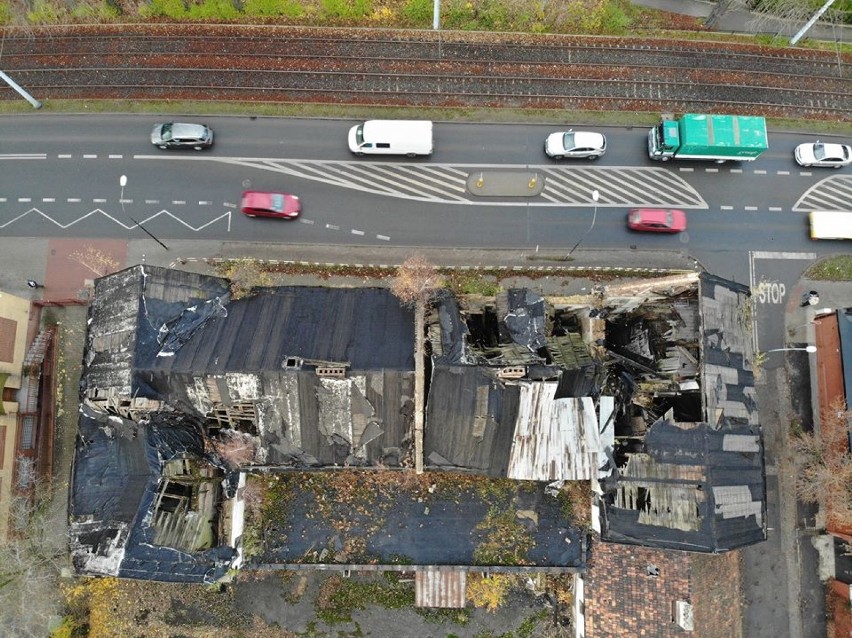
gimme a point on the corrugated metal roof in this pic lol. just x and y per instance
(685, 491)
(442, 588)
(360, 329)
(554, 439)
(727, 353)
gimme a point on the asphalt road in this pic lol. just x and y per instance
(61, 176)
(747, 221)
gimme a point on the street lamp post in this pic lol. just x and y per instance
(810, 349)
(123, 182)
(595, 197)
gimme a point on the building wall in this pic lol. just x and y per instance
(14, 315)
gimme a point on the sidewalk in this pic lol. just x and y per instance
(55, 262)
(739, 20)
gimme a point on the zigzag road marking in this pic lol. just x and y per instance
(98, 211)
(831, 193)
(446, 183)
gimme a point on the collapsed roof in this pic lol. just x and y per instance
(647, 387)
(687, 470)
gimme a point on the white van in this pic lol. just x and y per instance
(831, 224)
(391, 137)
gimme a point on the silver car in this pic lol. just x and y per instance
(182, 135)
(579, 144)
(820, 154)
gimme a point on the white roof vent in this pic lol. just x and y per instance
(683, 615)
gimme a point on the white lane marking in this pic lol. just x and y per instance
(686, 169)
(830, 193)
(22, 156)
(383, 237)
(400, 180)
(783, 172)
(74, 200)
(124, 201)
(64, 156)
(760, 254)
(750, 207)
(726, 207)
(25, 199)
(775, 208)
(332, 227)
(805, 173)
(179, 202)
(357, 232)
(90, 157)
(99, 201)
(736, 170)
(116, 156)
(306, 221)
(711, 170)
(760, 172)
(152, 201)
(98, 211)
(48, 200)
(204, 203)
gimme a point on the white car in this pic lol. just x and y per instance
(582, 144)
(820, 154)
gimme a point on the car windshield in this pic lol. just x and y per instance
(166, 132)
(669, 218)
(568, 140)
(819, 151)
(276, 203)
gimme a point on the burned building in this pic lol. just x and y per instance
(644, 389)
(687, 465)
(306, 377)
(511, 390)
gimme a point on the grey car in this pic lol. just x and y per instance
(182, 135)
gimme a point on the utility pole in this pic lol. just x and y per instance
(810, 23)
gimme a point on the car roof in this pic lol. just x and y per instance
(183, 129)
(588, 138)
(653, 214)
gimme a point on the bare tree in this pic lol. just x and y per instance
(415, 282)
(31, 561)
(99, 262)
(825, 463)
(783, 15)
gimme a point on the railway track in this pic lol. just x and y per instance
(426, 69)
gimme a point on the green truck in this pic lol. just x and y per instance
(716, 138)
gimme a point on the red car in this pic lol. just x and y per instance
(657, 220)
(266, 204)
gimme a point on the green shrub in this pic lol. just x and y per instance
(46, 12)
(5, 12)
(418, 13)
(272, 8)
(174, 9)
(615, 20)
(459, 14)
(345, 9)
(89, 11)
(213, 10)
